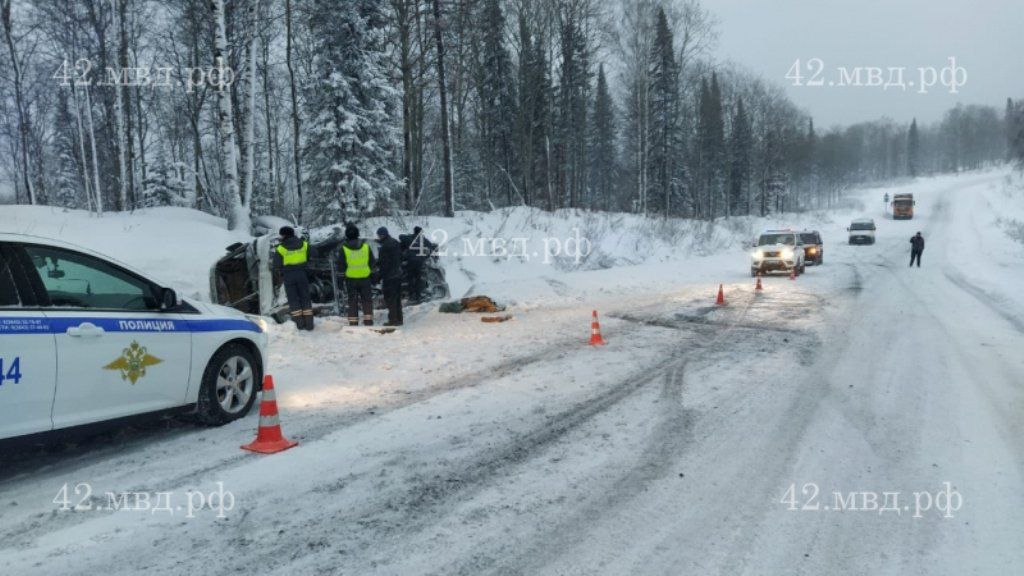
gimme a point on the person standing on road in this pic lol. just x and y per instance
(291, 257)
(416, 254)
(389, 269)
(916, 247)
(357, 263)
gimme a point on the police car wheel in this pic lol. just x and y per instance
(229, 385)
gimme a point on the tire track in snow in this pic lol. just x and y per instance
(24, 532)
(670, 438)
(985, 298)
(416, 509)
(663, 447)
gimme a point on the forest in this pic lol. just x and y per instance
(328, 111)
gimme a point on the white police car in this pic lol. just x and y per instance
(84, 339)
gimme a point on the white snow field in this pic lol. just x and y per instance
(456, 447)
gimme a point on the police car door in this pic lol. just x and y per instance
(117, 354)
(27, 356)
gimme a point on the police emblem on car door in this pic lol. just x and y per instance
(133, 362)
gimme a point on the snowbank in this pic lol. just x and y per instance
(524, 257)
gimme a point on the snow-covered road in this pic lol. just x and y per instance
(516, 449)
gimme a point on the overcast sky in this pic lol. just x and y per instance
(985, 36)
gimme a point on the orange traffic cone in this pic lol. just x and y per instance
(720, 301)
(595, 332)
(758, 287)
(269, 439)
(792, 273)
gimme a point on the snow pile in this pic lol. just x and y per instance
(525, 257)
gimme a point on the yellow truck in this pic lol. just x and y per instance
(903, 206)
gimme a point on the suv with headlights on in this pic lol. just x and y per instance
(777, 250)
(814, 248)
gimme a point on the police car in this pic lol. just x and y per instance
(85, 339)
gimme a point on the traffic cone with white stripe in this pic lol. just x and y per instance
(758, 288)
(792, 273)
(720, 300)
(269, 438)
(595, 332)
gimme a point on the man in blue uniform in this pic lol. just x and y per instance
(389, 265)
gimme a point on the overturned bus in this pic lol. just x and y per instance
(244, 278)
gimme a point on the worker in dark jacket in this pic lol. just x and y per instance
(290, 257)
(416, 252)
(389, 269)
(916, 247)
(357, 265)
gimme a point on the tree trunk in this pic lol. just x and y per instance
(81, 146)
(273, 148)
(24, 125)
(250, 117)
(446, 138)
(238, 214)
(401, 8)
(296, 146)
(95, 153)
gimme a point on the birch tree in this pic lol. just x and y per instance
(238, 209)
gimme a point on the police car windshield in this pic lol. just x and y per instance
(772, 239)
(809, 238)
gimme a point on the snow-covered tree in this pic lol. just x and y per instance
(352, 111)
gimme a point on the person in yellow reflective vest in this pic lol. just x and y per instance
(290, 257)
(357, 264)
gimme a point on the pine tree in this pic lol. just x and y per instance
(573, 87)
(1018, 137)
(1014, 121)
(352, 109)
(664, 114)
(913, 149)
(603, 160)
(710, 153)
(525, 120)
(498, 102)
(772, 182)
(741, 147)
(543, 177)
(811, 161)
(716, 149)
(69, 190)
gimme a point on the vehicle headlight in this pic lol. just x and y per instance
(787, 254)
(257, 320)
(757, 255)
